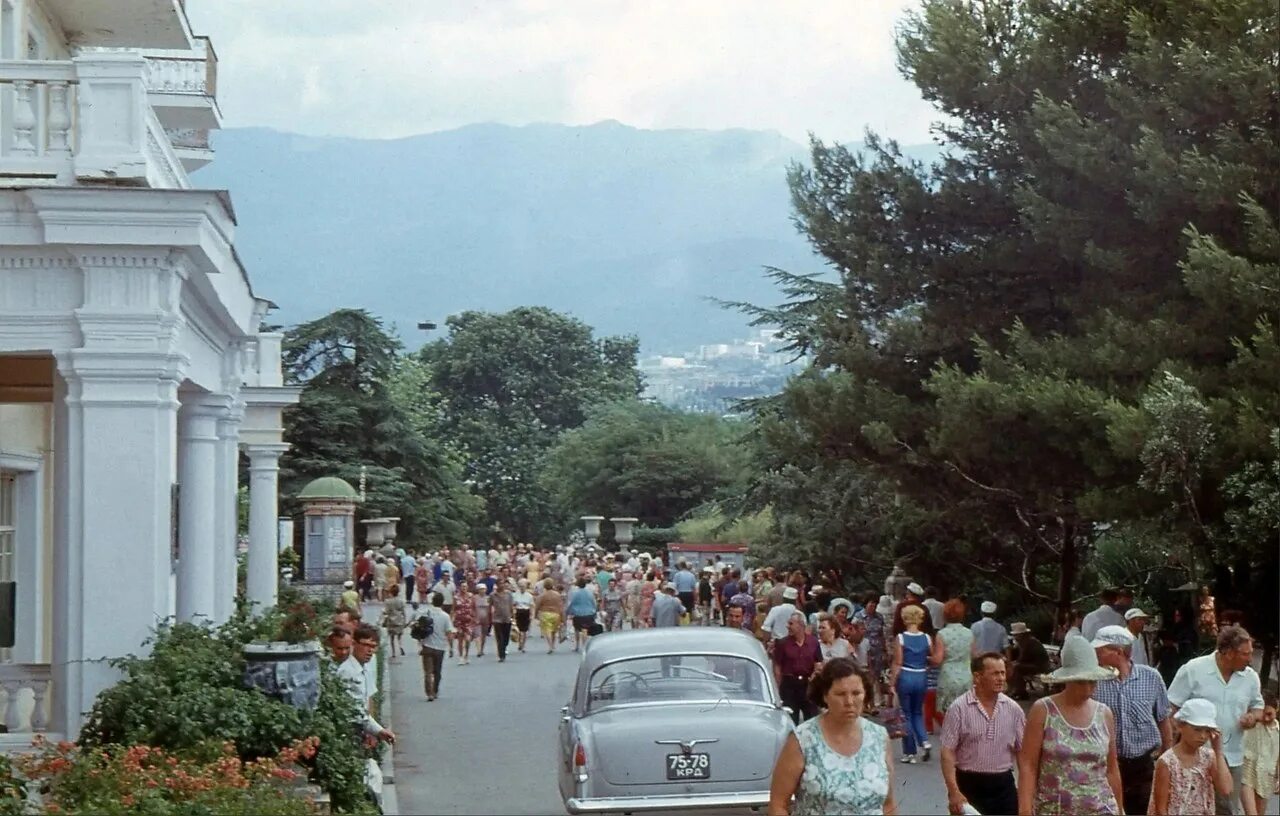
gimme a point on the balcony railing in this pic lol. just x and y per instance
(196, 74)
(26, 693)
(87, 119)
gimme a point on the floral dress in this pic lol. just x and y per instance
(1190, 789)
(393, 617)
(1073, 765)
(647, 590)
(874, 624)
(955, 677)
(833, 783)
(464, 612)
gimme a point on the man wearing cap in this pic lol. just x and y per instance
(914, 597)
(776, 622)
(989, 635)
(1135, 620)
(667, 608)
(1105, 615)
(350, 599)
(1139, 702)
(1226, 679)
(1029, 659)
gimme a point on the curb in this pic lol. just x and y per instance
(390, 801)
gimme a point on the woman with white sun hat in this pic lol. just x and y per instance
(1068, 759)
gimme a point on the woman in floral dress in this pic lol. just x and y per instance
(393, 620)
(648, 589)
(464, 620)
(955, 676)
(874, 624)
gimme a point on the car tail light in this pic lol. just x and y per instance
(579, 756)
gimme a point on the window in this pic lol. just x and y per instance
(677, 678)
(8, 536)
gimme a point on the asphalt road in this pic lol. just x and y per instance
(488, 744)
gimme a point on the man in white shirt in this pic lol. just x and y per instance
(1226, 679)
(1135, 620)
(775, 623)
(432, 647)
(934, 607)
(1104, 615)
(352, 671)
(989, 635)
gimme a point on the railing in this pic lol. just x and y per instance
(38, 134)
(26, 712)
(188, 139)
(196, 74)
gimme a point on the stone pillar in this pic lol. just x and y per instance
(115, 418)
(197, 507)
(264, 470)
(225, 528)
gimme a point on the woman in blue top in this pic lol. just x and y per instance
(582, 608)
(913, 653)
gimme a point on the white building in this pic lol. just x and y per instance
(132, 371)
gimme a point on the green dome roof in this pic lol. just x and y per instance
(329, 487)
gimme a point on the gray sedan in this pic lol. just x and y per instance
(671, 719)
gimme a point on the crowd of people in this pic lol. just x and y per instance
(1098, 722)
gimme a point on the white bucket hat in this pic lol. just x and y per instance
(1198, 712)
(915, 589)
(790, 594)
(1080, 664)
(885, 607)
(988, 607)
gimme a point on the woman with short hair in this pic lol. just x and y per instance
(522, 603)
(830, 641)
(913, 652)
(464, 620)
(838, 762)
(956, 642)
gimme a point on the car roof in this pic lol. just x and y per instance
(610, 646)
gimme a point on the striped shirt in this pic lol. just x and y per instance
(1139, 703)
(984, 744)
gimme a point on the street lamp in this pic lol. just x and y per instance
(426, 325)
(592, 526)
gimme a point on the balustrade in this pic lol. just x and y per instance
(38, 134)
(26, 712)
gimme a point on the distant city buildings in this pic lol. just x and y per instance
(712, 377)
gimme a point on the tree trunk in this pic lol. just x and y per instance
(1069, 566)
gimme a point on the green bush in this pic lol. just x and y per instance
(189, 693)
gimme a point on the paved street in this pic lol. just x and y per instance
(488, 744)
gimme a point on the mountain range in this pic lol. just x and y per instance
(633, 231)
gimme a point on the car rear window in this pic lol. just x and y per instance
(677, 678)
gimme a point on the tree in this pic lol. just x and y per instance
(509, 384)
(633, 458)
(354, 412)
(994, 350)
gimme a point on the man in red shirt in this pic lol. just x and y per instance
(795, 658)
(364, 575)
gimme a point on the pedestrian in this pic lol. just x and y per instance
(747, 601)
(705, 598)
(1140, 705)
(501, 608)
(393, 620)
(422, 580)
(830, 641)
(989, 635)
(934, 607)
(349, 599)
(1104, 615)
(447, 589)
(686, 586)
(1260, 775)
(379, 577)
(432, 647)
(581, 608)
(611, 602)
(667, 607)
(778, 622)
(795, 658)
(1135, 620)
(339, 645)
(875, 622)
(464, 621)
(549, 610)
(522, 603)
(648, 592)
(736, 619)
(364, 575)
(914, 596)
(839, 761)
(913, 653)
(980, 738)
(408, 571)
(352, 672)
(1067, 764)
(956, 668)
(1029, 659)
(1225, 679)
(484, 620)
(1071, 624)
(1190, 774)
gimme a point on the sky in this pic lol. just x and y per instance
(393, 68)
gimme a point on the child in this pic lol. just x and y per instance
(1261, 773)
(1188, 773)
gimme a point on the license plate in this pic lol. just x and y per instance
(688, 766)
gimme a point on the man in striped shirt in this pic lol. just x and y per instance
(981, 737)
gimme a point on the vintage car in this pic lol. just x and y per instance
(673, 719)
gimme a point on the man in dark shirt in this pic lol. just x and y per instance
(914, 597)
(1029, 659)
(795, 658)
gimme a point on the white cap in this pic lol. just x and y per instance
(669, 586)
(1135, 613)
(348, 584)
(988, 607)
(790, 593)
(816, 589)
(915, 589)
(1199, 712)
(1112, 636)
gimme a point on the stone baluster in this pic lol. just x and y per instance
(12, 721)
(59, 118)
(39, 721)
(24, 117)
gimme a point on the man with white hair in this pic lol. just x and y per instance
(1138, 699)
(1135, 620)
(989, 635)
(775, 623)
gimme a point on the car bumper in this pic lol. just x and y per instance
(682, 802)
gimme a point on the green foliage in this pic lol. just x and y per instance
(651, 538)
(13, 789)
(508, 386)
(710, 523)
(639, 459)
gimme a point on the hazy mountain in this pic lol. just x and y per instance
(630, 230)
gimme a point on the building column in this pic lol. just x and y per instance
(197, 506)
(264, 570)
(115, 418)
(226, 526)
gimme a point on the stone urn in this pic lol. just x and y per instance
(288, 672)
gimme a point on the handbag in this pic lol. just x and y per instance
(891, 719)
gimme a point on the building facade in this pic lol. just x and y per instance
(133, 374)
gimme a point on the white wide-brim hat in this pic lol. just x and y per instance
(1198, 712)
(1080, 664)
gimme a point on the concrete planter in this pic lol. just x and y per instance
(288, 672)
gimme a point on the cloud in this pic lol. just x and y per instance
(392, 68)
